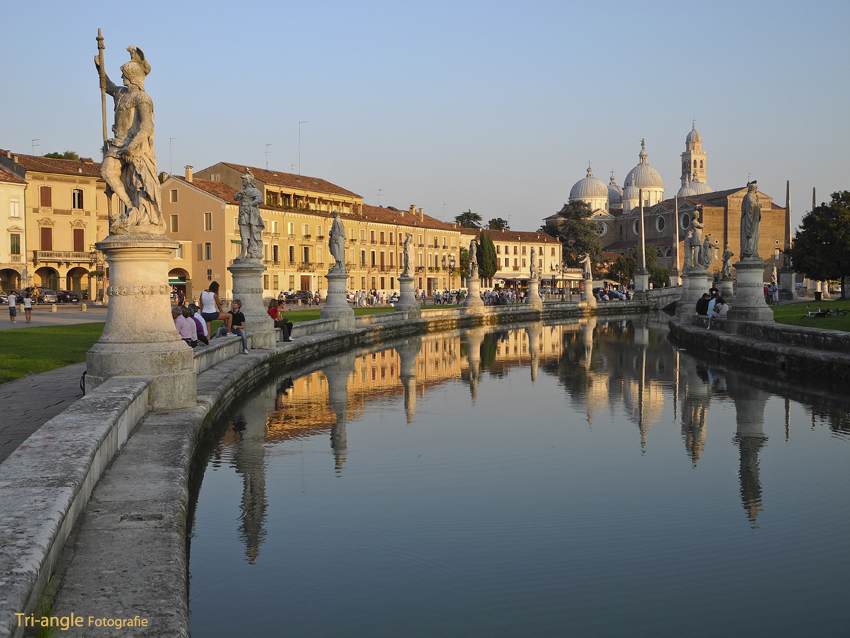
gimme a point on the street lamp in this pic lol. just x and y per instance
(97, 262)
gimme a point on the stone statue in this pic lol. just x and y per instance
(336, 244)
(129, 163)
(473, 259)
(694, 245)
(773, 278)
(726, 271)
(535, 270)
(707, 253)
(584, 261)
(407, 254)
(250, 223)
(750, 219)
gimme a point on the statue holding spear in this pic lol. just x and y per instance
(129, 163)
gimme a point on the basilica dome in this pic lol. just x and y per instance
(643, 175)
(686, 191)
(615, 193)
(699, 187)
(693, 136)
(588, 188)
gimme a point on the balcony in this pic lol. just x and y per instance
(59, 256)
(373, 242)
(290, 236)
(307, 236)
(420, 269)
(320, 237)
(275, 235)
(421, 245)
(516, 268)
(320, 265)
(383, 243)
(392, 243)
(306, 266)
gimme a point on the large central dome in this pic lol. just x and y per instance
(589, 187)
(643, 175)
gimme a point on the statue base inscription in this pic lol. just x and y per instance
(139, 338)
(336, 306)
(248, 288)
(407, 298)
(749, 296)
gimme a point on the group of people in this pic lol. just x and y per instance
(193, 323)
(712, 305)
(371, 298)
(610, 294)
(27, 303)
(771, 293)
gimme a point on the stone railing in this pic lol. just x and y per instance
(60, 255)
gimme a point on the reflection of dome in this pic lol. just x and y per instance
(698, 187)
(615, 193)
(589, 187)
(693, 136)
(643, 175)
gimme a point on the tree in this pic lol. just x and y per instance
(576, 232)
(463, 262)
(498, 224)
(657, 276)
(623, 269)
(487, 263)
(69, 155)
(469, 219)
(821, 248)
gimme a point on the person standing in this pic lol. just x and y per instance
(28, 307)
(13, 311)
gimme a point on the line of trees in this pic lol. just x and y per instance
(821, 249)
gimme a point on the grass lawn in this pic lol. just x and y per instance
(33, 350)
(792, 315)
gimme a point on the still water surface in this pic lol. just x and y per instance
(585, 479)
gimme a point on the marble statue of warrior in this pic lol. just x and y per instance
(336, 244)
(693, 244)
(407, 254)
(750, 219)
(473, 259)
(584, 260)
(535, 271)
(707, 254)
(129, 163)
(726, 271)
(250, 222)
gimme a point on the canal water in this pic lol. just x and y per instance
(576, 479)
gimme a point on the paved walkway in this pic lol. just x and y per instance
(66, 314)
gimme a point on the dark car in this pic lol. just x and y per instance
(67, 296)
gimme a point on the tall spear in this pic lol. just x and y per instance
(102, 73)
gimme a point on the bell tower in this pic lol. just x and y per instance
(693, 159)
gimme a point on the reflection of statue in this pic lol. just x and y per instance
(473, 259)
(707, 255)
(584, 262)
(535, 270)
(250, 223)
(336, 244)
(407, 254)
(750, 219)
(726, 272)
(129, 163)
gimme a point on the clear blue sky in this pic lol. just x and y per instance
(493, 106)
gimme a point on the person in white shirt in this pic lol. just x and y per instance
(13, 312)
(28, 307)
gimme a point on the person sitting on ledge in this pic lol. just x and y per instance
(702, 305)
(211, 307)
(185, 326)
(276, 310)
(200, 324)
(237, 326)
(719, 311)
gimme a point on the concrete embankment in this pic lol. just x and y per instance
(125, 524)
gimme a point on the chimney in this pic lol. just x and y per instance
(9, 154)
(188, 173)
(412, 209)
(421, 215)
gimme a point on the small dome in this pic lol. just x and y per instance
(643, 175)
(693, 136)
(686, 191)
(615, 193)
(698, 187)
(589, 187)
(631, 192)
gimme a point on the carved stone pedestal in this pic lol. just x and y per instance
(473, 301)
(786, 284)
(336, 307)
(534, 300)
(248, 288)
(587, 294)
(696, 282)
(407, 299)
(641, 282)
(139, 338)
(727, 290)
(749, 295)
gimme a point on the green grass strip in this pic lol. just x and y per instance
(792, 315)
(35, 350)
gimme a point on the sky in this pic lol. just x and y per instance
(494, 107)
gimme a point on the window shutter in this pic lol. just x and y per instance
(46, 238)
(46, 196)
(79, 240)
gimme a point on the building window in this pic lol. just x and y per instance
(15, 247)
(291, 282)
(553, 251)
(46, 196)
(498, 250)
(77, 199)
(46, 238)
(306, 230)
(290, 229)
(635, 227)
(174, 224)
(265, 282)
(292, 255)
(79, 240)
(208, 251)
(362, 258)
(178, 254)
(274, 229)
(276, 255)
(172, 196)
(14, 208)
(207, 221)
(685, 221)
(275, 282)
(516, 250)
(660, 224)
(507, 261)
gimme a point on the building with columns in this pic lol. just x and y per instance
(13, 250)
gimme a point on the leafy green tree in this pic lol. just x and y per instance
(821, 248)
(623, 269)
(463, 262)
(487, 264)
(469, 219)
(498, 224)
(576, 232)
(69, 155)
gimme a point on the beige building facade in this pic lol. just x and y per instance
(13, 250)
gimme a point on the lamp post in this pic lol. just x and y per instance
(97, 261)
(451, 271)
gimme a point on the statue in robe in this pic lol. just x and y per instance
(535, 270)
(707, 253)
(336, 245)
(584, 261)
(473, 259)
(726, 271)
(407, 254)
(750, 219)
(129, 163)
(250, 222)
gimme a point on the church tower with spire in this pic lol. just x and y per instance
(693, 159)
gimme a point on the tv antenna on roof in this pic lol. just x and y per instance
(267, 156)
(38, 139)
(380, 190)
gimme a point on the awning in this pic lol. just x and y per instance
(172, 281)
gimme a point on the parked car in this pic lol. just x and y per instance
(67, 296)
(4, 298)
(47, 296)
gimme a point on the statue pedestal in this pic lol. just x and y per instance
(534, 300)
(587, 294)
(336, 306)
(641, 284)
(727, 290)
(473, 301)
(696, 281)
(674, 279)
(139, 337)
(248, 288)
(407, 299)
(787, 289)
(749, 295)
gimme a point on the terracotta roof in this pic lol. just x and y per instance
(302, 182)
(499, 236)
(403, 218)
(5, 176)
(61, 166)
